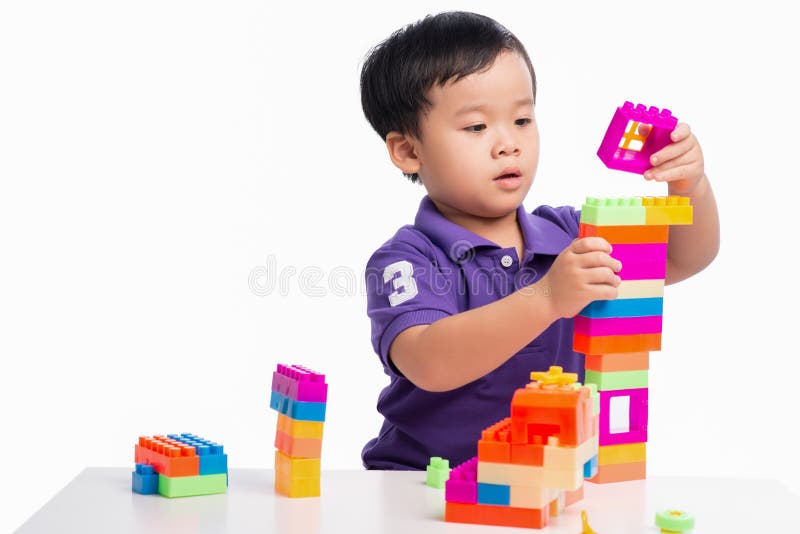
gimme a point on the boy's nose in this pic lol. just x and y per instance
(505, 146)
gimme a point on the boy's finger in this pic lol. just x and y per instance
(680, 132)
(590, 244)
(655, 173)
(597, 259)
(671, 151)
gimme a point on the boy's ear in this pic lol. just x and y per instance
(403, 152)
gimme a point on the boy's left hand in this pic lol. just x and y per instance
(680, 164)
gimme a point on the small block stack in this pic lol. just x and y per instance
(299, 395)
(179, 465)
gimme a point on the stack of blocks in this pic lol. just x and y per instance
(617, 335)
(299, 395)
(532, 464)
(179, 465)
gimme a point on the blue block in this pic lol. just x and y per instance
(494, 494)
(590, 467)
(624, 308)
(145, 480)
(299, 410)
(213, 460)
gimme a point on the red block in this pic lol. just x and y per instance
(168, 457)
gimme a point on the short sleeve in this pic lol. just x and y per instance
(405, 287)
(565, 217)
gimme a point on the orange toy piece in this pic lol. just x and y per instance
(632, 235)
(494, 445)
(608, 344)
(298, 447)
(505, 516)
(625, 361)
(620, 472)
(168, 457)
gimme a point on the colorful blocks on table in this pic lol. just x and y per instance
(625, 147)
(608, 344)
(494, 444)
(628, 405)
(497, 494)
(622, 454)
(192, 485)
(144, 480)
(300, 383)
(505, 516)
(213, 460)
(300, 429)
(462, 485)
(298, 447)
(167, 456)
(624, 308)
(299, 410)
(437, 472)
(297, 477)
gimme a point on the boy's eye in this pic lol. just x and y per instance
(522, 122)
(475, 128)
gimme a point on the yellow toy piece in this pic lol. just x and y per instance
(554, 376)
(585, 522)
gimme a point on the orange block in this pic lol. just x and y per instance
(562, 412)
(571, 497)
(623, 361)
(490, 514)
(608, 344)
(607, 474)
(527, 454)
(626, 234)
(168, 457)
(494, 445)
(298, 447)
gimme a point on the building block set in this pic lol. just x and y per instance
(179, 465)
(616, 336)
(299, 395)
(533, 463)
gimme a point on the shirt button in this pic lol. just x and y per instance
(506, 261)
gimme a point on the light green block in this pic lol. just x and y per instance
(617, 379)
(194, 485)
(438, 472)
(613, 211)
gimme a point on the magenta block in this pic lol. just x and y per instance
(637, 429)
(631, 160)
(645, 261)
(462, 486)
(617, 326)
(300, 383)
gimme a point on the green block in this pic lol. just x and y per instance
(617, 380)
(194, 485)
(438, 472)
(613, 211)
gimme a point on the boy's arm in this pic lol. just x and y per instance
(692, 247)
(458, 349)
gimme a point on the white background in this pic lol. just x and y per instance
(155, 154)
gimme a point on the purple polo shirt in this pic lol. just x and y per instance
(431, 270)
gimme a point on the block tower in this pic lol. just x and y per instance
(617, 335)
(299, 395)
(179, 465)
(532, 464)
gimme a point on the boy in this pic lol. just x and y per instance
(478, 292)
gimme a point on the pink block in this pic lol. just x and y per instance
(630, 160)
(617, 326)
(644, 261)
(637, 429)
(462, 486)
(300, 383)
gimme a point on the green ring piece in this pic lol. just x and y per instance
(674, 520)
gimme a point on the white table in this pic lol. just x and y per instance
(100, 500)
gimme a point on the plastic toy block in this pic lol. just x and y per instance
(437, 472)
(607, 474)
(590, 467)
(297, 477)
(571, 497)
(192, 485)
(608, 344)
(144, 480)
(624, 308)
(674, 521)
(527, 454)
(643, 270)
(300, 429)
(640, 253)
(617, 326)
(462, 486)
(613, 212)
(637, 417)
(671, 210)
(494, 445)
(573, 458)
(622, 454)
(640, 289)
(510, 474)
(531, 496)
(213, 460)
(494, 494)
(504, 516)
(564, 479)
(298, 447)
(626, 234)
(300, 383)
(625, 147)
(168, 457)
(623, 361)
(610, 381)
(300, 410)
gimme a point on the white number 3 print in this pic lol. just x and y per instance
(404, 282)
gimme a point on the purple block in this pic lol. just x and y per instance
(299, 383)
(462, 486)
(631, 160)
(637, 428)
(617, 326)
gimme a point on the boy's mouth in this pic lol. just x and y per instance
(509, 173)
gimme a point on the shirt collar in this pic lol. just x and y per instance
(541, 236)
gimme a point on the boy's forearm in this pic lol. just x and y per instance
(461, 348)
(693, 247)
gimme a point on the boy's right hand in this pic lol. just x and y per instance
(582, 273)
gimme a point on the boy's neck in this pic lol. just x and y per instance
(504, 231)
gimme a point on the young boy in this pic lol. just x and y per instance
(479, 292)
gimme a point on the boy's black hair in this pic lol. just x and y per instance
(399, 71)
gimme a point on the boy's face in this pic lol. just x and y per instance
(479, 144)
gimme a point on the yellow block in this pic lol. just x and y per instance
(621, 454)
(297, 477)
(671, 210)
(300, 429)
